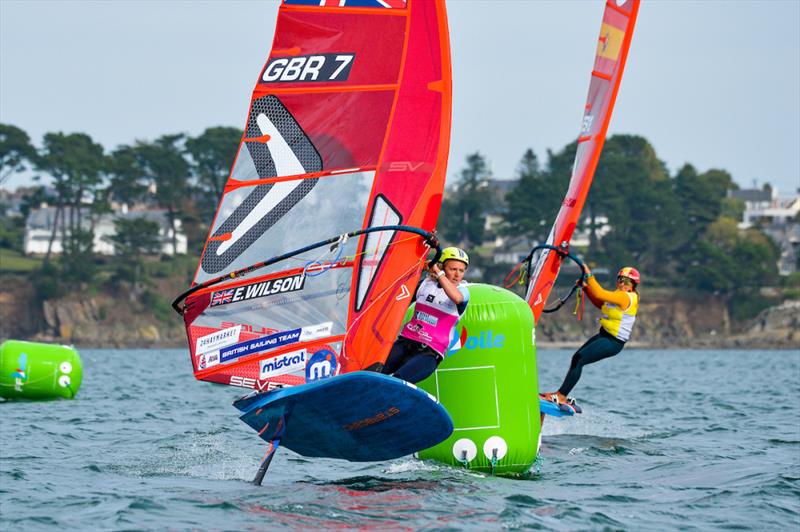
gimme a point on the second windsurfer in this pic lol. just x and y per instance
(619, 309)
(441, 300)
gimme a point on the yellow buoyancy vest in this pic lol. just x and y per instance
(618, 322)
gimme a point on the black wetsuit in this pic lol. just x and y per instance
(600, 346)
(411, 361)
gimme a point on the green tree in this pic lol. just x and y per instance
(163, 163)
(730, 261)
(127, 180)
(701, 197)
(11, 231)
(534, 201)
(757, 257)
(16, 151)
(212, 154)
(134, 238)
(463, 211)
(733, 208)
(77, 259)
(76, 164)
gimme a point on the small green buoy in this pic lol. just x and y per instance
(33, 370)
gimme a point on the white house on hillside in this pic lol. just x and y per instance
(776, 217)
(39, 229)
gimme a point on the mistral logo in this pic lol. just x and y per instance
(321, 365)
(282, 364)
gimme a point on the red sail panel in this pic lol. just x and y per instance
(348, 128)
(408, 187)
(616, 31)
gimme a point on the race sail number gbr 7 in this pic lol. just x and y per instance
(317, 67)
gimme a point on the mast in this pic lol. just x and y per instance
(616, 32)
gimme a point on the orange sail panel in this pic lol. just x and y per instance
(613, 43)
(348, 129)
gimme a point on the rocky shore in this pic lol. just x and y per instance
(670, 319)
(667, 319)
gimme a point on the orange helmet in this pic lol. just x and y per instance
(631, 273)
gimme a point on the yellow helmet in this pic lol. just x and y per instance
(454, 254)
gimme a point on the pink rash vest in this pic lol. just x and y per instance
(435, 316)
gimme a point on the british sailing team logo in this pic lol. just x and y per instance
(276, 147)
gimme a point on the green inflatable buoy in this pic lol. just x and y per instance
(489, 387)
(32, 370)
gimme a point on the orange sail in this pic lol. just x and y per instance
(347, 137)
(616, 31)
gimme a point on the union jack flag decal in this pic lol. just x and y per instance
(349, 3)
(222, 297)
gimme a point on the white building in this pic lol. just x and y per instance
(777, 218)
(763, 207)
(39, 229)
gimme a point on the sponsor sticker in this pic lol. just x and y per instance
(21, 373)
(321, 365)
(270, 287)
(216, 340)
(278, 339)
(282, 364)
(427, 318)
(207, 360)
(259, 344)
(314, 332)
(485, 340)
(256, 384)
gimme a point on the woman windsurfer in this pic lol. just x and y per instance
(619, 309)
(441, 300)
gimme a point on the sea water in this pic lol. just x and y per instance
(668, 440)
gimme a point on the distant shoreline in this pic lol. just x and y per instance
(734, 343)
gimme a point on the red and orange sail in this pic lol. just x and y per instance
(348, 129)
(616, 32)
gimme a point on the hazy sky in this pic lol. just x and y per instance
(713, 83)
